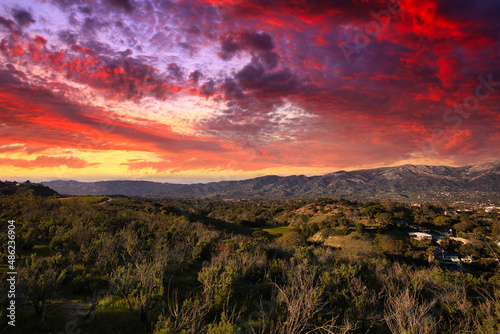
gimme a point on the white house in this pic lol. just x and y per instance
(420, 236)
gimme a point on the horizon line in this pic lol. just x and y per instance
(256, 177)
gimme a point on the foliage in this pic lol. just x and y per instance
(221, 266)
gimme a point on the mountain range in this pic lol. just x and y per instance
(480, 182)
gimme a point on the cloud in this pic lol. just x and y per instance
(208, 88)
(124, 4)
(257, 41)
(42, 116)
(19, 148)
(24, 18)
(43, 161)
(256, 76)
(175, 71)
(11, 76)
(118, 76)
(231, 90)
(67, 37)
(270, 58)
(195, 77)
(309, 12)
(9, 24)
(260, 44)
(449, 68)
(229, 47)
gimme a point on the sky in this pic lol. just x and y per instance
(208, 90)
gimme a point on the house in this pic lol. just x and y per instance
(420, 236)
(445, 231)
(491, 208)
(468, 259)
(460, 240)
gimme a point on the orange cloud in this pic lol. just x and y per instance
(47, 161)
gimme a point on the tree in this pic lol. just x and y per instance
(443, 221)
(186, 316)
(495, 230)
(292, 239)
(217, 280)
(469, 249)
(360, 227)
(39, 279)
(449, 244)
(391, 245)
(430, 254)
(384, 218)
(373, 210)
(149, 271)
(404, 313)
(124, 281)
(464, 226)
(143, 271)
(300, 299)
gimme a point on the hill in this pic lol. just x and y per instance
(480, 182)
(25, 188)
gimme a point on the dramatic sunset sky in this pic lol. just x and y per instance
(188, 91)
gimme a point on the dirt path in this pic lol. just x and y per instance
(72, 310)
(108, 200)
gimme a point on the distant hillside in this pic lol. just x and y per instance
(24, 188)
(479, 182)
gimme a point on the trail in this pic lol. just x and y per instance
(108, 200)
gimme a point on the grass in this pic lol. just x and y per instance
(89, 199)
(278, 230)
(113, 316)
(94, 199)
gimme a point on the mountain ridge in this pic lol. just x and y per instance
(404, 182)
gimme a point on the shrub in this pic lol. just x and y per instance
(223, 327)
(292, 239)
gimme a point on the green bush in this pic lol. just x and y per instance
(223, 327)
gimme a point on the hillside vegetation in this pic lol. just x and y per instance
(121, 265)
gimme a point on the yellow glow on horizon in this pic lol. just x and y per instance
(112, 165)
(109, 166)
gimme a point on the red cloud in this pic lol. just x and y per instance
(380, 107)
(123, 77)
(449, 70)
(34, 115)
